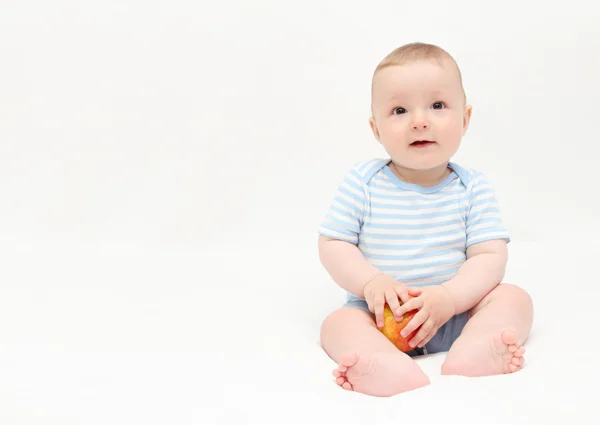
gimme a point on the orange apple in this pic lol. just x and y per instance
(391, 329)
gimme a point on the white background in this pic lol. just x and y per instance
(161, 162)
(184, 123)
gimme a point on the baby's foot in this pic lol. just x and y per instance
(483, 357)
(508, 354)
(379, 374)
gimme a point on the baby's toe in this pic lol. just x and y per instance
(509, 337)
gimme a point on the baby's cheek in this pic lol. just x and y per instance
(398, 134)
(454, 135)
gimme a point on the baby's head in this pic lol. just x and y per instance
(417, 95)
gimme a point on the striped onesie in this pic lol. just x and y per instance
(418, 235)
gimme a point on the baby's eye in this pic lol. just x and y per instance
(399, 111)
(438, 105)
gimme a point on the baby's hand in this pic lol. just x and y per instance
(435, 308)
(385, 289)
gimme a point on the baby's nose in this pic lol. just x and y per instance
(420, 125)
(419, 121)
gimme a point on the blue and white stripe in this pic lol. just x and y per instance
(417, 235)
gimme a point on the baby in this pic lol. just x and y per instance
(417, 231)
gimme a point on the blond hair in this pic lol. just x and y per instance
(413, 52)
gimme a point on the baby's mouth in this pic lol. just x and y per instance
(422, 143)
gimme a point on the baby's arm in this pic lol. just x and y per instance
(346, 265)
(482, 272)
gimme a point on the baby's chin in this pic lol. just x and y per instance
(430, 158)
(422, 164)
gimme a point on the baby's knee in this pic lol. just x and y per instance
(344, 322)
(517, 294)
(334, 320)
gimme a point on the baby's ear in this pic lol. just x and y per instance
(374, 128)
(467, 117)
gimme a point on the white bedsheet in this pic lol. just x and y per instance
(123, 335)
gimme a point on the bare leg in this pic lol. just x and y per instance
(491, 342)
(367, 361)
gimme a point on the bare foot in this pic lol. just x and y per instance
(499, 355)
(508, 354)
(379, 374)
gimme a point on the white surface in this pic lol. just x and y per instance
(164, 169)
(96, 336)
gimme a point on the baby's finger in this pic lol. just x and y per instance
(428, 338)
(425, 330)
(378, 304)
(415, 322)
(369, 301)
(412, 304)
(415, 292)
(392, 300)
(402, 292)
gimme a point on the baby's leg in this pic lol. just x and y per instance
(368, 362)
(490, 343)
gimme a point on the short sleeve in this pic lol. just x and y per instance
(343, 220)
(484, 222)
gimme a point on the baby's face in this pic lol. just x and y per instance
(419, 113)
